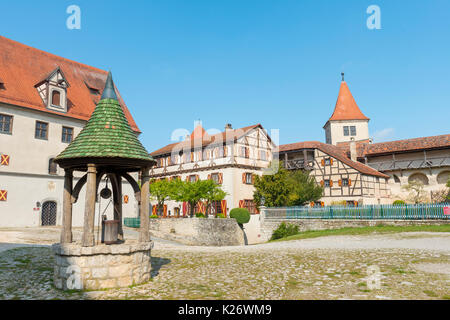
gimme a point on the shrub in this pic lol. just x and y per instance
(220, 216)
(241, 215)
(284, 230)
(154, 216)
(199, 215)
(399, 203)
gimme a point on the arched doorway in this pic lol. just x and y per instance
(48, 215)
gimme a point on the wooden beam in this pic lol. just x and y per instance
(66, 233)
(89, 211)
(144, 232)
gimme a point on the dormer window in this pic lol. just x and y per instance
(92, 90)
(53, 90)
(2, 85)
(56, 98)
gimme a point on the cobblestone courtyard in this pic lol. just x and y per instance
(305, 269)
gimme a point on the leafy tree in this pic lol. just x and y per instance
(304, 188)
(211, 192)
(286, 188)
(274, 188)
(161, 191)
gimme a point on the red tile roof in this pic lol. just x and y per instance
(408, 145)
(219, 138)
(22, 67)
(346, 107)
(333, 151)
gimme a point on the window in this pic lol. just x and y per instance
(41, 130)
(193, 178)
(215, 177)
(52, 166)
(245, 152)
(56, 98)
(345, 183)
(250, 206)
(349, 131)
(263, 155)
(327, 161)
(346, 131)
(216, 207)
(67, 134)
(5, 124)
(247, 178)
(327, 183)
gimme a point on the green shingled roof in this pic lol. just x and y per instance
(107, 134)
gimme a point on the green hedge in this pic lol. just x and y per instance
(240, 214)
(284, 230)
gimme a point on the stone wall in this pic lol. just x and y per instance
(269, 225)
(102, 266)
(199, 231)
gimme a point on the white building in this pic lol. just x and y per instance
(45, 101)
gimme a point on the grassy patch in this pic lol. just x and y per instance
(366, 230)
(430, 293)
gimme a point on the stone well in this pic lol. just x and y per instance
(101, 267)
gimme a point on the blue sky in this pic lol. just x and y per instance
(277, 63)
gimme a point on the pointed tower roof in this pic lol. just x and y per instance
(107, 138)
(199, 132)
(346, 107)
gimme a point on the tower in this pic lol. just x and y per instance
(347, 120)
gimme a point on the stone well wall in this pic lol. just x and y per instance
(269, 225)
(199, 231)
(101, 267)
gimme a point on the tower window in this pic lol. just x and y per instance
(5, 124)
(346, 131)
(56, 98)
(349, 131)
(352, 130)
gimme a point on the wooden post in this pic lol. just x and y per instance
(89, 211)
(66, 233)
(118, 203)
(144, 232)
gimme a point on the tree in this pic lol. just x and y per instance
(161, 191)
(286, 188)
(304, 188)
(211, 192)
(274, 188)
(416, 191)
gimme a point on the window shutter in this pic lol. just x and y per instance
(225, 151)
(349, 182)
(340, 183)
(243, 177)
(209, 176)
(220, 178)
(223, 205)
(241, 203)
(323, 162)
(331, 161)
(331, 183)
(154, 210)
(247, 152)
(197, 177)
(4, 160)
(3, 195)
(169, 161)
(165, 211)
(187, 178)
(322, 183)
(253, 178)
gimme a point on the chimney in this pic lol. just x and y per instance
(228, 126)
(353, 155)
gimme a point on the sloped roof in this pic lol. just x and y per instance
(346, 107)
(364, 148)
(205, 140)
(107, 134)
(333, 151)
(22, 67)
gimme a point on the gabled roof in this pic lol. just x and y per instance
(346, 107)
(22, 67)
(206, 140)
(107, 134)
(334, 152)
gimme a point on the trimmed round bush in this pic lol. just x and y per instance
(240, 214)
(200, 215)
(399, 203)
(154, 216)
